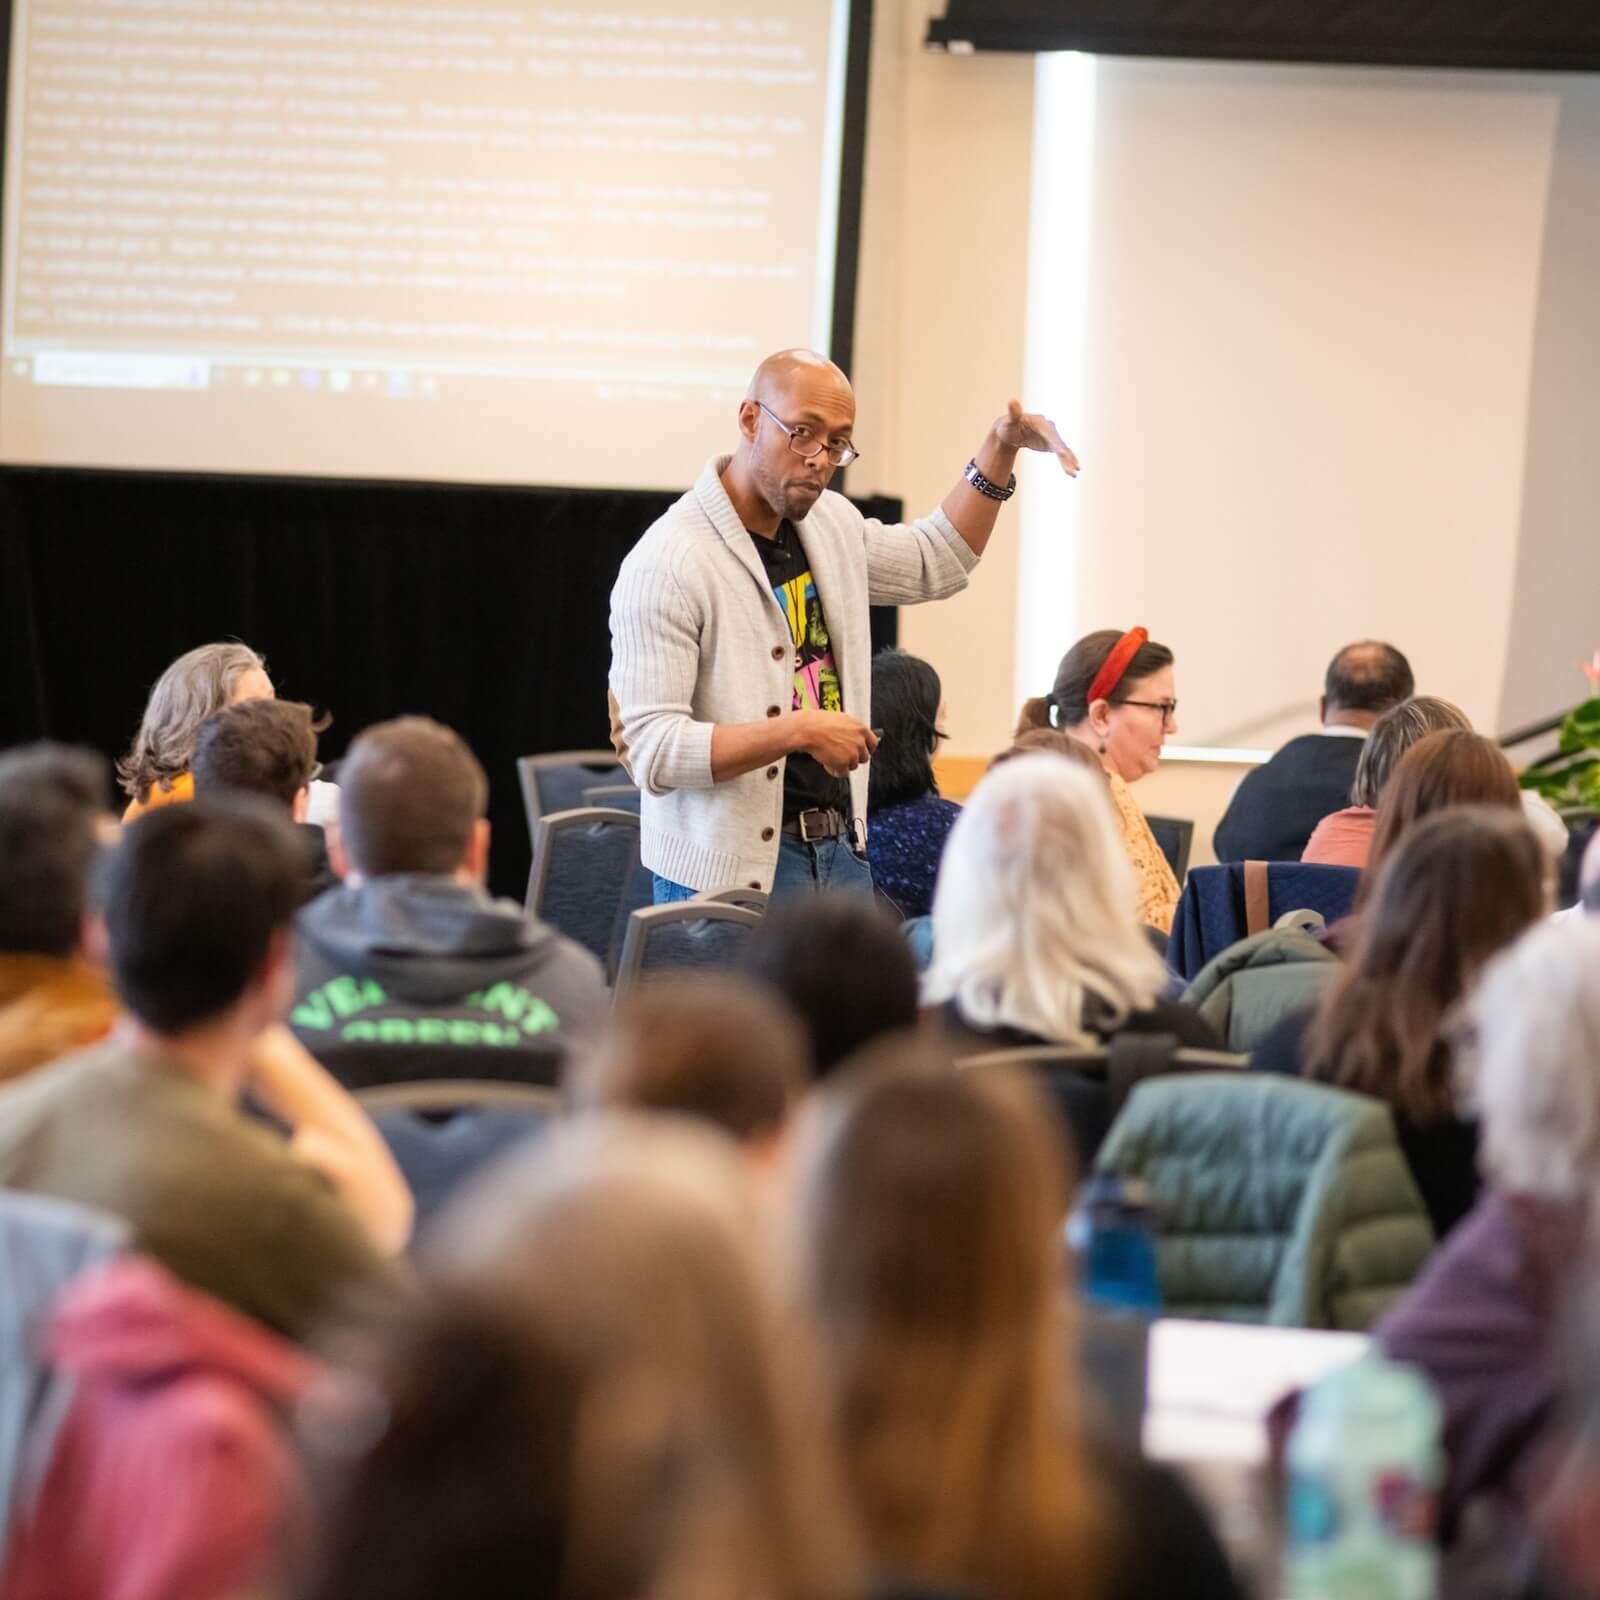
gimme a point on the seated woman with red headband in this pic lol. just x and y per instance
(1116, 693)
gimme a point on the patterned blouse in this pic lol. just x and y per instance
(904, 844)
(1158, 889)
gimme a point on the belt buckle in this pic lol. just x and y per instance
(805, 837)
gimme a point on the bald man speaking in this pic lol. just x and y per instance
(741, 667)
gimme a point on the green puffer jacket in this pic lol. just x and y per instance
(1277, 1201)
(1245, 991)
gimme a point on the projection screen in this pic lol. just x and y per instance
(502, 243)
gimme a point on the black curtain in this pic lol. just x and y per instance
(485, 608)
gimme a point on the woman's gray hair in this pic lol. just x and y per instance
(1529, 1062)
(198, 683)
(1393, 734)
(1035, 912)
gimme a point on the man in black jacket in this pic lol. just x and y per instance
(1276, 807)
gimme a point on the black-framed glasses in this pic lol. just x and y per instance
(807, 445)
(1167, 708)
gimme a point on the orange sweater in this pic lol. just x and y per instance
(178, 790)
(49, 1007)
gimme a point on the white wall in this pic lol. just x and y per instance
(1342, 371)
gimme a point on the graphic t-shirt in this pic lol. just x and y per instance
(806, 784)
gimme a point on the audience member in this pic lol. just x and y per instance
(844, 970)
(412, 939)
(155, 772)
(1048, 740)
(1344, 838)
(197, 902)
(267, 747)
(1484, 1320)
(1449, 768)
(1116, 693)
(907, 820)
(1456, 890)
(928, 1218)
(594, 1402)
(53, 999)
(709, 1046)
(1035, 938)
(1276, 808)
(172, 1475)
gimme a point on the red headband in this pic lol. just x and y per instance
(1116, 664)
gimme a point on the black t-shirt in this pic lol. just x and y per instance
(806, 784)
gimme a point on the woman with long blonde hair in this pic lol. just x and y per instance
(928, 1249)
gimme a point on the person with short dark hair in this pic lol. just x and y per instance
(1275, 809)
(197, 903)
(53, 999)
(709, 1046)
(267, 747)
(908, 819)
(411, 949)
(843, 968)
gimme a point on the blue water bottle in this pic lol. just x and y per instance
(1111, 1233)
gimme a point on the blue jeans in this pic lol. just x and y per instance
(830, 866)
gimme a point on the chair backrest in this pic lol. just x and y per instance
(441, 1133)
(1214, 911)
(735, 895)
(586, 877)
(1090, 1087)
(1276, 1201)
(1175, 835)
(398, 1050)
(691, 934)
(622, 796)
(44, 1245)
(555, 782)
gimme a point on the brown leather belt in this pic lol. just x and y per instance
(817, 826)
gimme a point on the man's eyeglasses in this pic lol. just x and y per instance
(806, 444)
(1167, 708)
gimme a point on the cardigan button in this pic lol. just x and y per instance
(766, 835)
(772, 772)
(773, 711)
(755, 885)
(779, 652)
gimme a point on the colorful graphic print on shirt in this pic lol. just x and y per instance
(816, 679)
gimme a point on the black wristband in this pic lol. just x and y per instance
(985, 486)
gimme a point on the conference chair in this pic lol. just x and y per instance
(692, 935)
(1090, 1087)
(400, 1045)
(555, 782)
(1223, 904)
(1274, 1200)
(586, 877)
(622, 796)
(1175, 835)
(735, 895)
(441, 1133)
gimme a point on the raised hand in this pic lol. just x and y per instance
(1027, 430)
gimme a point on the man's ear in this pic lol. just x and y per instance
(300, 806)
(749, 420)
(275, 975)
(475, 863)
(333, 837)
(1322, 708)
